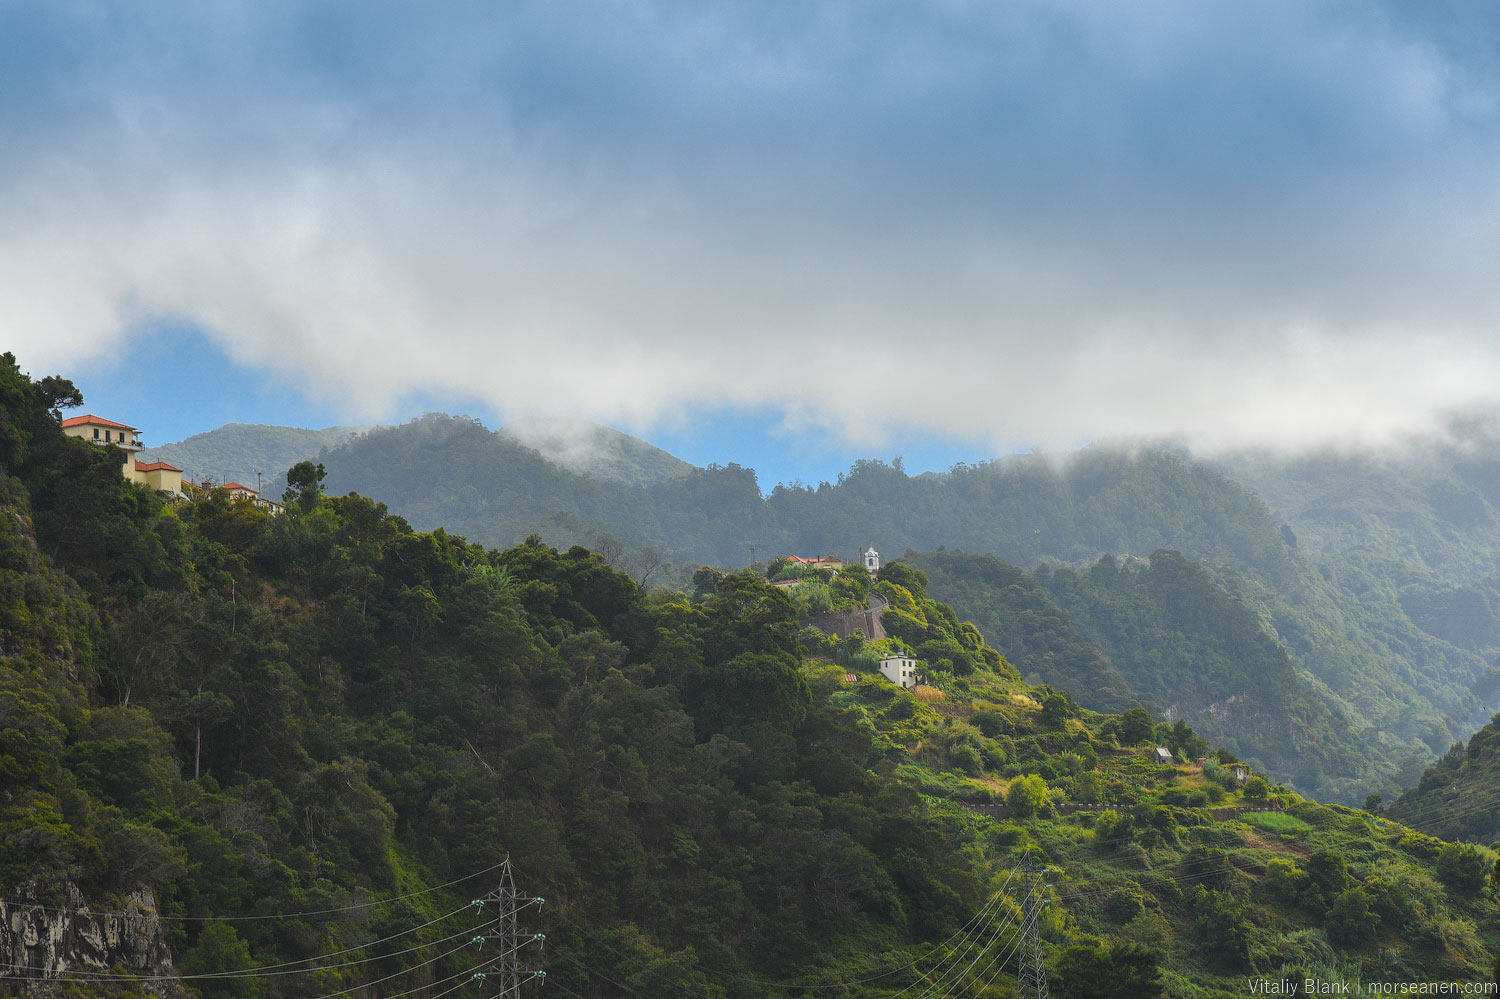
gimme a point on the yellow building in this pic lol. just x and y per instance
(160, 476)
(101, 431)
(97, 430)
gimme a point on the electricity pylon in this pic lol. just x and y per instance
(1031, 978)
(509, 970)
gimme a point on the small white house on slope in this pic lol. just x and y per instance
(900, 669)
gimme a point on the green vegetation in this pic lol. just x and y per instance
(1164, 633)
(235, 452)
(1154, 891)
(1459, 797)
(1373, 646)
(256, 715)
(1277, 822)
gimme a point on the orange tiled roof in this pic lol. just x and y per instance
(155, 466)
(232, 486)
(95, 421)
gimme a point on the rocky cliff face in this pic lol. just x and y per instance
(43, 942)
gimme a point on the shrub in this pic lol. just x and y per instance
(1124, 904)
(1117, 971)
(991, 723)
(1285, 880)
(1135, 726)
(965, 757)
(1327, 876)
(1221, 926)
(1026, 796)
(1350, 920)
(1462, 866)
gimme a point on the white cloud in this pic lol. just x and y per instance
(869, 269)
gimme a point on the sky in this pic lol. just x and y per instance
(784, 234)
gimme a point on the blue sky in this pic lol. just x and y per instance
(175, 383)
(781, 233)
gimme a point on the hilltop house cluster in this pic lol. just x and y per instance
(829, 564)
(898, 667)
(158, 475)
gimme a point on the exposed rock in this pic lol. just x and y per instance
(42, 943)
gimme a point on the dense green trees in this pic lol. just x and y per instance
(258, 715)
(1164, 633)
(1455, 798)
(1371, 661)
(1121, 970)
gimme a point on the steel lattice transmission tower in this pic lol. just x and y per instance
(1031, 977)
(510, 970)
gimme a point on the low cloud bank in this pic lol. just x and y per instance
(1062, 223)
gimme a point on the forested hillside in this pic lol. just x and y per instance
(313, 736)
(1432, 502)
(1162, 633)
(1459, 797)
(305, 713)
(1392, 661)
(596, 451)
(248, 453)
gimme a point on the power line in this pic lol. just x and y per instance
(127, 914)
(954, 974)
(962, 930)
(1031, 976)
(957, 955)
(503, 927)
(273, 970)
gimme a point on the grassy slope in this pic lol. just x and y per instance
(1220, 899)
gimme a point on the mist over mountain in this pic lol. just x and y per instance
(1430, 503)
(1370, 645)
(595, 450)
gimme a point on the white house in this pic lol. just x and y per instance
(900, 669)
(1164, 755)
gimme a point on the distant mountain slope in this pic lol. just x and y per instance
(1459, 797)
(1431, 503)
(597, 451)
(1341, 621)
(451, 472)
(235, 452)
(1163, 633)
